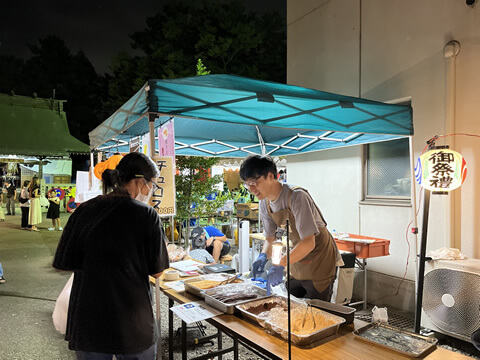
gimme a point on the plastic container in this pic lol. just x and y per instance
(380, 247)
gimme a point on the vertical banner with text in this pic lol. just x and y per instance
(166, 139)
(135, 144)
(146, 144)
(163, 198)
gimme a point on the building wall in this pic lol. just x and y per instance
(388, 50)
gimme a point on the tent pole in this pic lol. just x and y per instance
(413, 199)
(151, 127)
(421, 270)
(90, 173)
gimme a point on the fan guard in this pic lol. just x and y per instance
(451, 299)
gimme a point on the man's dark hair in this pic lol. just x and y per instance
(255, 166)
(196, 238)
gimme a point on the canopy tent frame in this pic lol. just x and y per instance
(225, 115)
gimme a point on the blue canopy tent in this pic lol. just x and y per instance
(232, 116)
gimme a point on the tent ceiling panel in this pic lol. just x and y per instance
(225, 115)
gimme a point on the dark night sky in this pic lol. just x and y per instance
(100, 28)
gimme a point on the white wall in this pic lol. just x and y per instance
(386, 50)
(331, 177)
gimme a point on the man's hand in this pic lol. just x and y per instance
(258, 266)
(275, 275)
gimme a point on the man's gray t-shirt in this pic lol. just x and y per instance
(308, 218)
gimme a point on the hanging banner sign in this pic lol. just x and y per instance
(163, 197)
(146, 144)
(135, 144)
(441, 170)
(166, 139)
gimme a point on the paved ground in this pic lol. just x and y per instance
(28, 296)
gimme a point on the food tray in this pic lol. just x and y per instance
(190, 283)
(396, 339)
(229, 308)
(312, 338)
(252, 311)
(346, 312)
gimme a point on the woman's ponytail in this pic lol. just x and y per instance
(111, 180)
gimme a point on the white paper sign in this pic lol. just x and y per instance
(185, 265)
(194, 311)
(176, 285)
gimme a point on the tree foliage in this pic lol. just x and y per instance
(194, 187)
(53, 71)
(224, 35)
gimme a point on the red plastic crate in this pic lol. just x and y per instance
(362, 250)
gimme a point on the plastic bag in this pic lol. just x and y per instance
(44, 202)
(60, 311)
(380, 315)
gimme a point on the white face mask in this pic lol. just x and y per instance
(144, 198)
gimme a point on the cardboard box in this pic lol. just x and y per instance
(247, 211)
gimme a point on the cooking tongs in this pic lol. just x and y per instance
(309, 307)
(230, 280)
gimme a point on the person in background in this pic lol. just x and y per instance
(54, 211)
(2, 279)
(216, 242)
(198, 252)
(314, 256)
(35, 213)
(11, 197)
(2, 214)
(24, 205)
(112, 243)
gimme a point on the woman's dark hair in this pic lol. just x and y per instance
(25, 183)
(255, 166)
(33, 185)
(132, 166)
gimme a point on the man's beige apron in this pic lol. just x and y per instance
(320, 264)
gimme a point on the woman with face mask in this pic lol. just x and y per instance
(113, 243)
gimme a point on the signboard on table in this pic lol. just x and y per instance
(163, 197)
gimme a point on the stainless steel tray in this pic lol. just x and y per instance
(397, 339)
(316, 337)
(346, 312)
(229, 308)
(190, 283)
(257, 310)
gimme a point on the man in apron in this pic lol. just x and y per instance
(314, 256)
